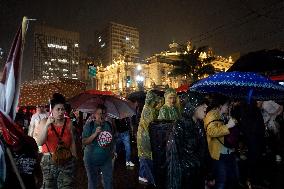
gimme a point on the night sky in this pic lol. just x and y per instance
(228, 26)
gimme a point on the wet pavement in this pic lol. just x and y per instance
(272, 174)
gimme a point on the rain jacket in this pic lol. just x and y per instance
(215, 131)
(149, 114)
(187, 153)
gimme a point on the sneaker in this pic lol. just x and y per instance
(143, 180)
(129, 163)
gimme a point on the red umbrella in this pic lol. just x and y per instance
(117, 106)
(182, 88)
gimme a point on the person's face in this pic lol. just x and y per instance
(58, 111)
(224, 109)
(100, 115)
(171, 99)
(200, 112)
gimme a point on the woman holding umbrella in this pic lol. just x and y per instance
(97, 137)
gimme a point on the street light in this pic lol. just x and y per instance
(139, 67)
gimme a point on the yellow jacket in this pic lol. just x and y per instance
(215, 129)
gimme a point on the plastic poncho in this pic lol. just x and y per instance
(169, 112)
(149, 114)
(187, 153)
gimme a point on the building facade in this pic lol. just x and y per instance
(123, 77)
(117, 40)
(56, 53)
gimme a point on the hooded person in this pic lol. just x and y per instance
(170, 110)
(149, 114)
(187, 153)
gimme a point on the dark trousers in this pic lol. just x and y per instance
(226, 172)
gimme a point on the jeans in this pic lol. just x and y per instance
(226, 172)
(146, 170)
(93, 172)
(125, 139)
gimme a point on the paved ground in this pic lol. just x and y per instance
(127, 178)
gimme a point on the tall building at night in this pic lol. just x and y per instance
(56, 53)
(117, 40)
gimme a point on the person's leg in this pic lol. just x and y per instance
(92, 174)
(232, 172)
(107, 174)
(66, 179)
(220, 173)
(126, 142)
(48, 170)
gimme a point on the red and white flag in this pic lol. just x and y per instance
(10, 88)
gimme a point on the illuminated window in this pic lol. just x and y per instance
(64, 70)
(50, 45)
(62, 60)
(127, 38)
(102, 45)
(76, 45)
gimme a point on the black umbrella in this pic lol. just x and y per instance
(260, 61)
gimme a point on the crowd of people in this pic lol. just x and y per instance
(210, 135)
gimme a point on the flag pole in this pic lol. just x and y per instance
(9, 153)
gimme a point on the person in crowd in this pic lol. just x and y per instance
(252, 129)
(123, 128)
(98, 152)
(270, 110)
(55, 135)
(36, 118)
(187, 147)
(149, 113)
(225, 168)
(170, 110)
(27, 161)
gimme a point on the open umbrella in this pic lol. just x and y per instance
(39, 92)
(241, 85)
(117, 107)
(260, 61)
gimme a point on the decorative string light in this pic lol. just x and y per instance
(38, 92)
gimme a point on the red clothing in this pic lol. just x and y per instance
(52, 139)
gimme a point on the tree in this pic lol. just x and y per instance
(191, 65)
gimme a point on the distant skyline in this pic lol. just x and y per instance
(226, 26)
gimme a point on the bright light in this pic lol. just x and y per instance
(62, 60)
(102, 45)
(76, 45)
(127, 38)
(50, 45)
(139, 67)
(281, 83)
(139, 78)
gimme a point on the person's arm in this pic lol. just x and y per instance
(40, 131)
(217, 129)
(87, 136)
(73, 145)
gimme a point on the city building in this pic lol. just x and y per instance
(124, 76)
(56, 53)
(117, 40)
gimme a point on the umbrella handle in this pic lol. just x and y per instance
(249, 96)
